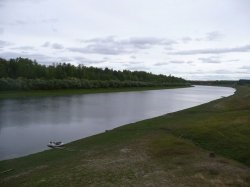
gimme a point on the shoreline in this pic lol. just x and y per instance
(67, 92)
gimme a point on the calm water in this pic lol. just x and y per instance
(27, 125)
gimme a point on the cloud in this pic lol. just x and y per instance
(52, 45)
(215, 35)
(210, 36)
(186, 39)
(211, 60)
(24, 48)
(48, 20)
(20, 22)
(112, 46)
(64, 59)
(4, 44)
(222, 71)
(56, 46)
(34, 1)
(179, 62)
(245, 48)
(1, 30)
(173, 62)
(160, 64)
(133, 62)
(46, 44)
(245, 67)
(146, 42)
(34, 56)
(83, 60)
(137, 67)
(233, 60)
(99, 50)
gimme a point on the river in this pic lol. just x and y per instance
(27, 125)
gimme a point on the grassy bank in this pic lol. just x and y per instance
(207, 145)
(63, 92)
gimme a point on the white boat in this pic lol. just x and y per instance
(55, 144)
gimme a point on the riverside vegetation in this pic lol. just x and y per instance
(25, 74)
(207, 145)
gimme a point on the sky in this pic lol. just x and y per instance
(193, 39)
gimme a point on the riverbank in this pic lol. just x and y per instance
(207, 145)
(64, 92)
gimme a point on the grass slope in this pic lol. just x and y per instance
(170, 150)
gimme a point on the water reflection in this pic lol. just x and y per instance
(27, 125)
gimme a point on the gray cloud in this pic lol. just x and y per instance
(83, 60)
(52, 45)
(20, 22)
(134, 62)
(245, 67)
(186, 39)
(56, 46)
(179, 62)
(215, 35)
(233, 60)
(6, 1)
(137, 67)
(1, 30)
(54, 29)
(9, 55)
(211, 60)
(146, 42)
(141, 42)
(49, 20)
(24, 48)
(222, 71)
(160, 63)
(4, 44)
(210, 36)
(64, 59)
(46, 44)
(99, 50)
(34, 56)
(113, 46)
(198, 71)
(172, 62)
(245, 48)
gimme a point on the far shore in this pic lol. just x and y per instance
(64, 92)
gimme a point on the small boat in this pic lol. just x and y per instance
(55, 144)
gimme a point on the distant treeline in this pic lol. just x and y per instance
(244, 82)
(216, 83)
(26, 74)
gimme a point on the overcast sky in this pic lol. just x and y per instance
(193, 39)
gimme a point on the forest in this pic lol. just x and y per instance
(27, 74)
(229, 83)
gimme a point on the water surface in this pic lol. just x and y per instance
(27, 125)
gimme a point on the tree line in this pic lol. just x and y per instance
(27, 74)
(230, 83)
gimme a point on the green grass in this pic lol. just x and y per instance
(170, 150)
(62, 92)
